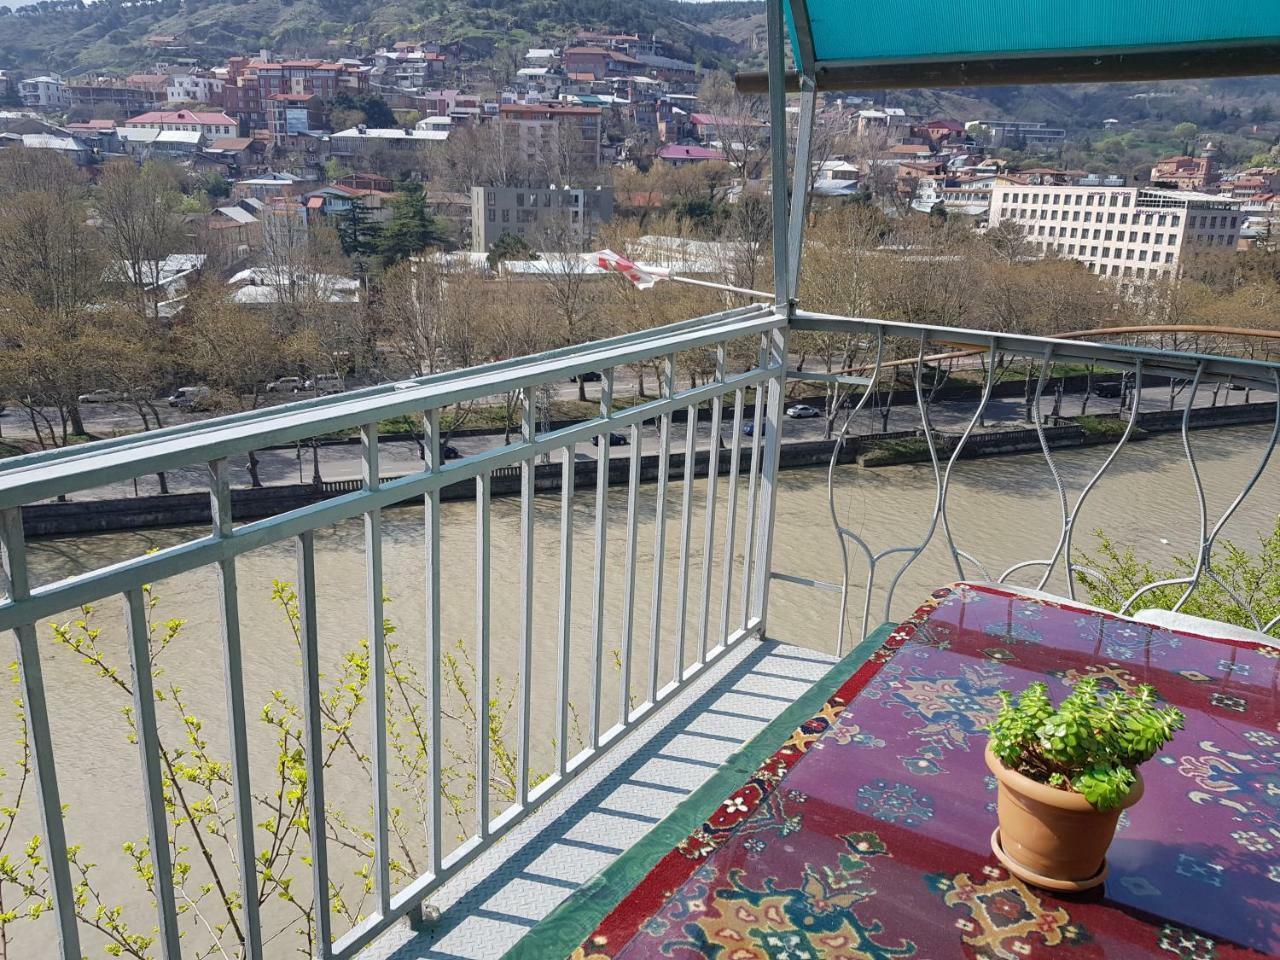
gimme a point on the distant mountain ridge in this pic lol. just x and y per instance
(71, 36)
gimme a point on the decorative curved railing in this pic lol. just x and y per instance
(1194, 370)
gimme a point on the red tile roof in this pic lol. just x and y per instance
(682, 151)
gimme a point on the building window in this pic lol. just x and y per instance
(1146, 237)
(1106, 253)
(1168, 258)
(1159, 239)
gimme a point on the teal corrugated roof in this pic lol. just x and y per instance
(932, 30)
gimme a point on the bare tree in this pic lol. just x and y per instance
(138, 208)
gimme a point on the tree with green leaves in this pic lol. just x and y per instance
(411, 228)
(1116, 574)
(356, 232)
(509, 246)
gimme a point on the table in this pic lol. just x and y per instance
(866, 836)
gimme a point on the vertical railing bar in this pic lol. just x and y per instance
(527, 467)
(144, 712)
(749, 558)
(13, 553)
(431, 442)
(567, 470)
(686, 525)
(313, 724)
(602, 532)
(377, 670)
(666, 388)
(777, 340)
(483, 482)
(629, 577)
(233, 667)
(713, 483)
(731, 520)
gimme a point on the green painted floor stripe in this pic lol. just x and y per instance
(557, 934)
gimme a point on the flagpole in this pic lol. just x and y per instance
(721, 286)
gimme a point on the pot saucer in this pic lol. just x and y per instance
(1048, 883)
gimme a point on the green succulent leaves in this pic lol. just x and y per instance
(1091, 743)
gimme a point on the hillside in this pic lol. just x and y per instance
(109, 36)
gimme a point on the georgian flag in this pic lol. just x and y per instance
(643, 278)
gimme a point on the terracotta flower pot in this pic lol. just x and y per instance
(1052, 837)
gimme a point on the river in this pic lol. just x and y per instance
(1003, 509)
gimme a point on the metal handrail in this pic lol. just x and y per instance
(27, 480)
(744, 556)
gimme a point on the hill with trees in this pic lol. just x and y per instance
(73, 36)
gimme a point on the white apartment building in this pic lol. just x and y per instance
(45, 93)
(1119, 231)
(188, 88)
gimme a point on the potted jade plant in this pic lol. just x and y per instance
(1065, 775)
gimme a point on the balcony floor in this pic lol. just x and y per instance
(487, 908)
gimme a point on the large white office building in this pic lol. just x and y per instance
(1119, 231)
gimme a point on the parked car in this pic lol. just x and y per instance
(802, 411)
(102, 395)
(189, 396)
(615, 440)
(749, 429)
(325, 383)
(1108, 388)
(449, 452)
(285, 385)
(591, 376)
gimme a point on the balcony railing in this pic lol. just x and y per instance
(722, 571)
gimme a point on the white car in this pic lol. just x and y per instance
(802, 411)
(102, 395)
(325, 383)
(285, 385)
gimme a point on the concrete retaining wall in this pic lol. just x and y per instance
(100, 516)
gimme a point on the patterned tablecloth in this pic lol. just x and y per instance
(867, 836)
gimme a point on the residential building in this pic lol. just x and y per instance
(668, 69)
(250, 80)
(1017, 134)
(538, 216)
(45, 93)
(211, 124)
(1119, 231)
(291, 114)
(324, 80)
(942, 130)
(577, 129)
(599, 62)
(361, 140)
(73, 148)
(680, 154)
(123, 96)
(1186, 173)
(366, 181)
(192, 88)
(336, 201)
(271, 185)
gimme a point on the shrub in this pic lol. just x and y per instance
(1090, 744)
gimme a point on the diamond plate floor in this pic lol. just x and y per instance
(517, 882)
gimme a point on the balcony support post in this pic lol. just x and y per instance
(778, 150)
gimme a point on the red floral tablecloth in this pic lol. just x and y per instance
(867, 835)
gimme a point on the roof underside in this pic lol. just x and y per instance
(923, 43)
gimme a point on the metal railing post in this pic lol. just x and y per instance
(233, 668)
(13, 559)
(777, 350)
